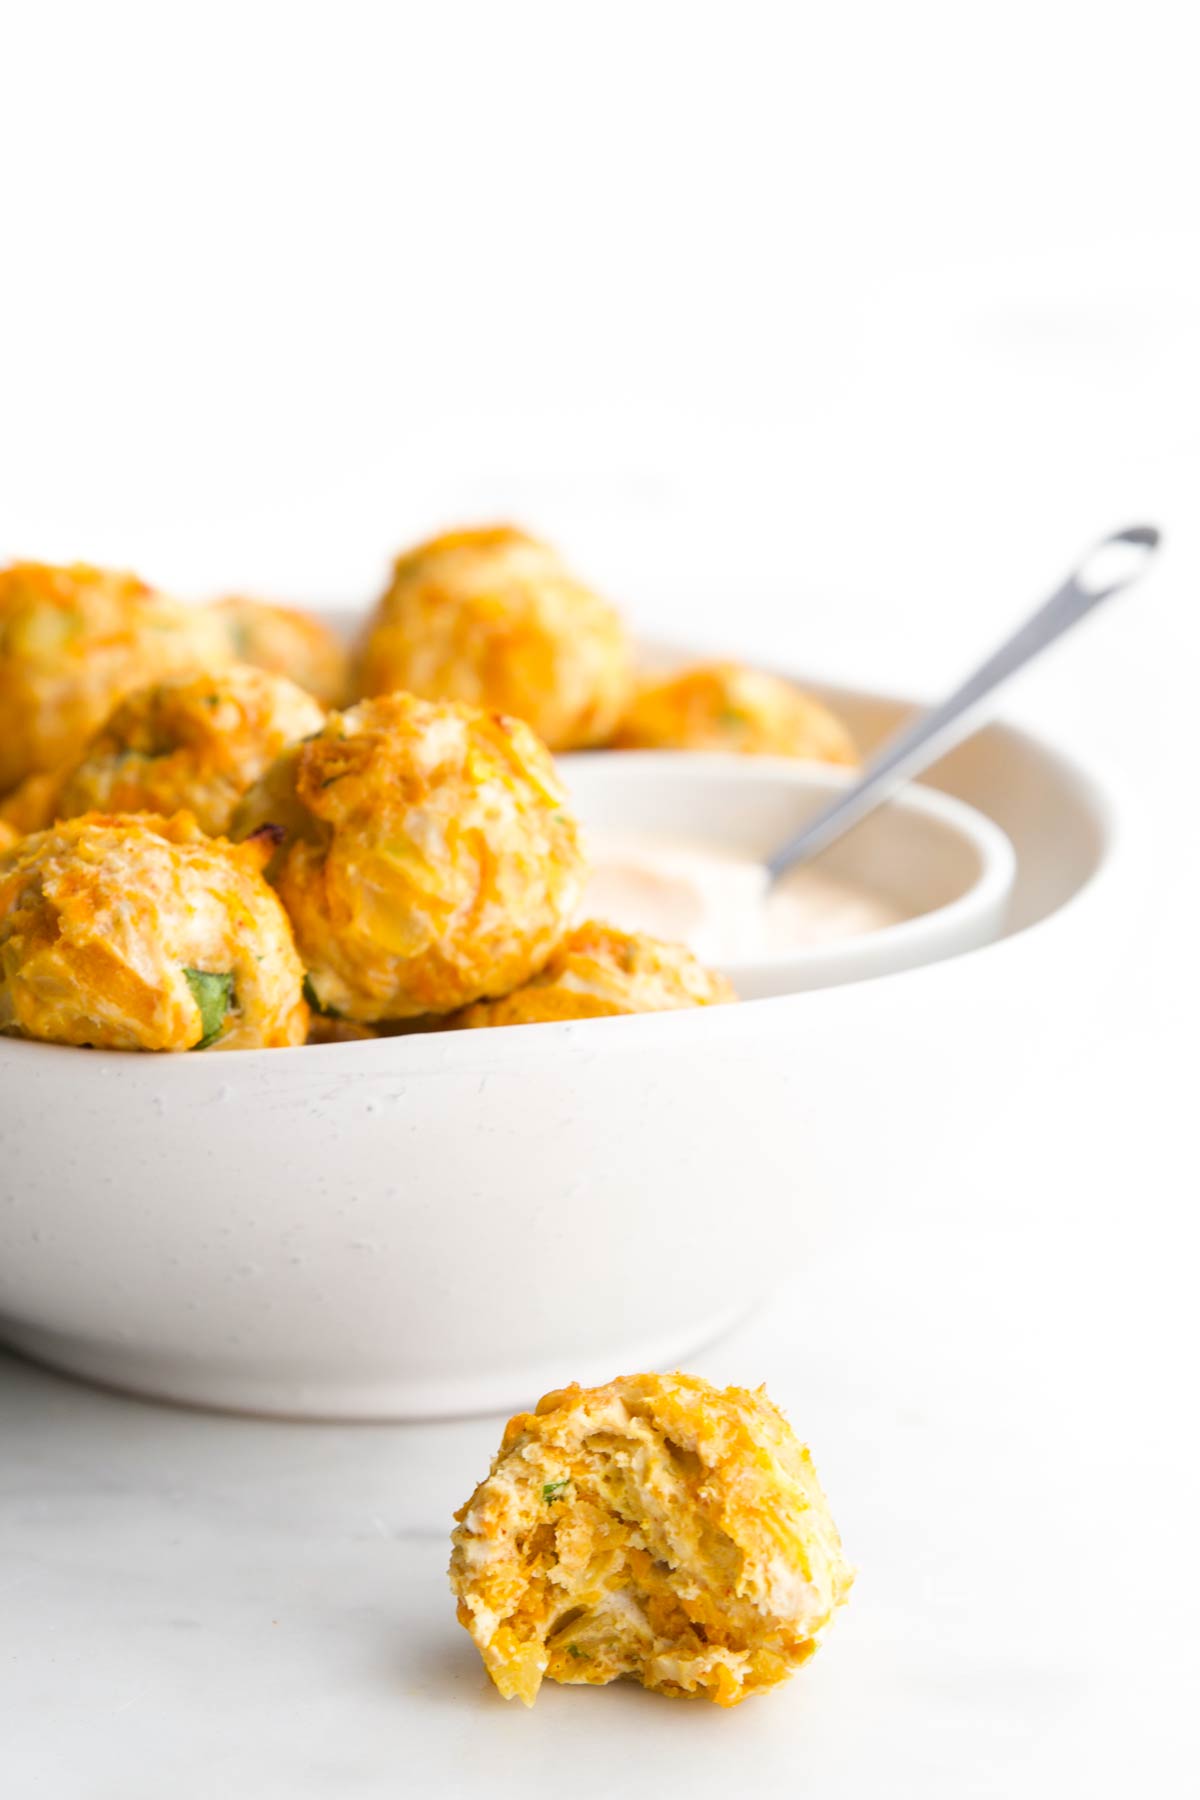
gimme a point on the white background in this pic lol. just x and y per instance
(827, 333)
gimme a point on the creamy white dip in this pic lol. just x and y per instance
(718, 901)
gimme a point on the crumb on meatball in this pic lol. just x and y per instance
(598, 972)
(723, 706)
(287, 642)
(192, 742)
(658, 1528)
(429, 856)
(129, 932)
(492, 617)
(73, 641)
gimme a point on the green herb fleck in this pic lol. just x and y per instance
(577, 1653)
(314, 1000)
(213, 994)
(732, 715)
(553, 1490)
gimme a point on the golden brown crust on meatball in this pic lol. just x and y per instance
(141, 933)
(658, 1528)
(192, 742)
(73, 641)
(287, 642)
(598, 972)
(9, 835)
(492, 617)
(429, 858)
(723, 706)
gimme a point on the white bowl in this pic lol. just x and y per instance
(946, 869)
(449, 1223)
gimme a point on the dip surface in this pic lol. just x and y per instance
(718, 902)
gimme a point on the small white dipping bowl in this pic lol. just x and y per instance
(456, 1222)
(944, 867)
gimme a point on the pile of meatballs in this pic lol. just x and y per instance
(220, 828)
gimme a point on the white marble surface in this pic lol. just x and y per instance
(221, 1609)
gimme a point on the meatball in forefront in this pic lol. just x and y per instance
(193, 741)
(141, 933)
(598, 972)
(429, 857)
(659, 1528)
(73, 641)
(491, 617)
(723, 706)
(287, 642)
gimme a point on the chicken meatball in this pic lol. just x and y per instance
(287, 642)
(73, 641)
(658, 1528)
(195, 741)
(429, 857)
(493, 618)
(722, 706)
(598, 972)
(140, 933)
(32, 803)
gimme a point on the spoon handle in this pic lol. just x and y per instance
(1106, 569)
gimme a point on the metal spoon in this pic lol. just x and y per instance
(1114, 563)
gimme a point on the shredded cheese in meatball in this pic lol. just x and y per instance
(73, 641)
(658, 1528)
(287, 642)
(493, 618)
(429, 859)
(139, 933)
(598, 972)
(723, 706)
(192, 742)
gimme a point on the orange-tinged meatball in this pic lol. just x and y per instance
(287, 642)
(130, 932)
(723, 706)
(73, 641)
(598, 972)
(195, 742)
(31, 804)
(429, 858)
(492, 617)
(658, 1528)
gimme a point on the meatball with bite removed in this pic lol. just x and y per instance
(658, 1528)
(193, 742)
(598, 972)
(723, 706)
(493, 618)
(288, 642)
(429, 858)
(128, 932)
(73, 641)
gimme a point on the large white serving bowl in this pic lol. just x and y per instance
(450, 1223)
